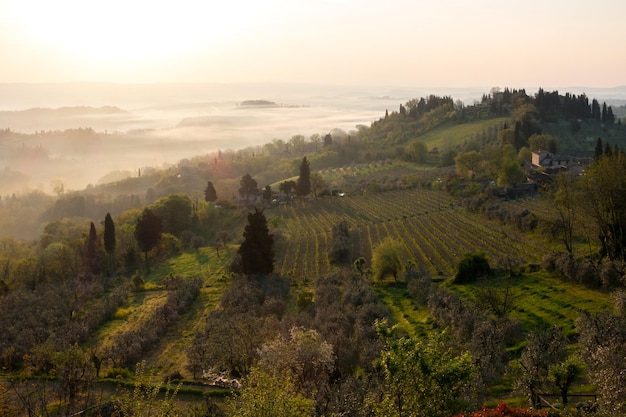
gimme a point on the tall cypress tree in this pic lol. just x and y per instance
(91, 250)
(257, 249)
(599, 149)
(109, 234)
(303, 185)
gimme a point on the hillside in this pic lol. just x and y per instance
(449, 255)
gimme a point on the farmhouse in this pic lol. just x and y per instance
(549, 160)
(545, 162)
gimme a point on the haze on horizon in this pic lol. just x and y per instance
(347, 42)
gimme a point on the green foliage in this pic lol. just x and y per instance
(422, 378)
(269, 395)
(175, 212)
(604, 199)
(472, 267)
(386, 259)
(144, 400)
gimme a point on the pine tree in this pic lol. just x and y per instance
(257, 249)
(210, 195)
(303, 185)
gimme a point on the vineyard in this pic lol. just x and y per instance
(434, 231)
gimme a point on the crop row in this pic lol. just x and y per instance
(434, 233)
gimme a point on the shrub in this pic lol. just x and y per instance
(472, 267)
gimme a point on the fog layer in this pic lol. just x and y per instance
(75, 134)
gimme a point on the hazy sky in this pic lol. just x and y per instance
(453, 43)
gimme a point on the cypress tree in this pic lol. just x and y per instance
(210, 195)
(91, 254)
(109, 234)
(257, 249)
(599, 149)
(303, 185)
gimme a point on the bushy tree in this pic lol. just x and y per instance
(604, 199)
(304, 355)
(340, 243)
(175, 212)
(148, 231)
(317, 184)
(422, 378)
(270, 395)
(257, 249)
(472, 267)
(386, 259)
(248, 186)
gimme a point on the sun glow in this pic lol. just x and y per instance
(126, 34)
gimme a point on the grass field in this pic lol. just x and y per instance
(453, 133)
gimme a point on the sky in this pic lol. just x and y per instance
(453, 43)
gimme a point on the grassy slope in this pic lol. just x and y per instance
(169, 355)
(452, 133)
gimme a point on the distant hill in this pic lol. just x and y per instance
(43, 118)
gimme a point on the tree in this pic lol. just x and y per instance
(109, 234)
(303, 185)
(467, 163)
(422, 378)
(599, 149)
(602, 343)
(339, 251)
(317, 183)
(417, 151)
(248, 186)
(210, 195)
(472, 267)
(305, 355)
(604, 199)
(91, 250)
(543, 142)
(564, 197)
(564, 374)
(544, 349)
(175, 212)
(148, 232)
(269, 395)
(386, 259)
(257, 249)
(287, 187)
(511, 172)
(267, 193)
